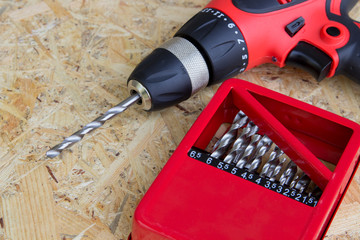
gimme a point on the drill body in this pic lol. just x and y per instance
(229, 37)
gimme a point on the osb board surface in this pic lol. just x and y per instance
(62, 63)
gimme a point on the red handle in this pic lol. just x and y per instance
(264, 28)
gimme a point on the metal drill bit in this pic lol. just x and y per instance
(269, 168)
(241, 143)
(239, 146)
(249, 150)
(98, 122)
(317, 192)
(254, 164)
(277, 169)
(289, 174)
(261, 149)
(293, 182)
(229, 137)
(303, 183)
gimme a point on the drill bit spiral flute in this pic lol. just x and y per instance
(98, 122)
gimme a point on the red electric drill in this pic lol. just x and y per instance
(231, 36)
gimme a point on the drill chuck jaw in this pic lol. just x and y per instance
(137, 88)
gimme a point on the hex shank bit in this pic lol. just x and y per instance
(98, 122)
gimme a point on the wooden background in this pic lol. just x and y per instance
(62, 63)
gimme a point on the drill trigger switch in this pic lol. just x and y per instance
(295, 26)
(311, 59)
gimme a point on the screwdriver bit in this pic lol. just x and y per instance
(225, 142)
(98, 122)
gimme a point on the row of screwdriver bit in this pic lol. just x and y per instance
(242, 146)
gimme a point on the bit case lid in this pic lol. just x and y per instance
(195, 198)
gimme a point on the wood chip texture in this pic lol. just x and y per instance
(62, 63)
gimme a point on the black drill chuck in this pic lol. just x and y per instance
(208, 49)
(169, 75)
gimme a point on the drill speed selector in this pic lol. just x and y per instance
(220, 41)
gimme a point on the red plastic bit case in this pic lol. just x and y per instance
(199, 197)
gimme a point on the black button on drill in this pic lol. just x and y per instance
(295, 26)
